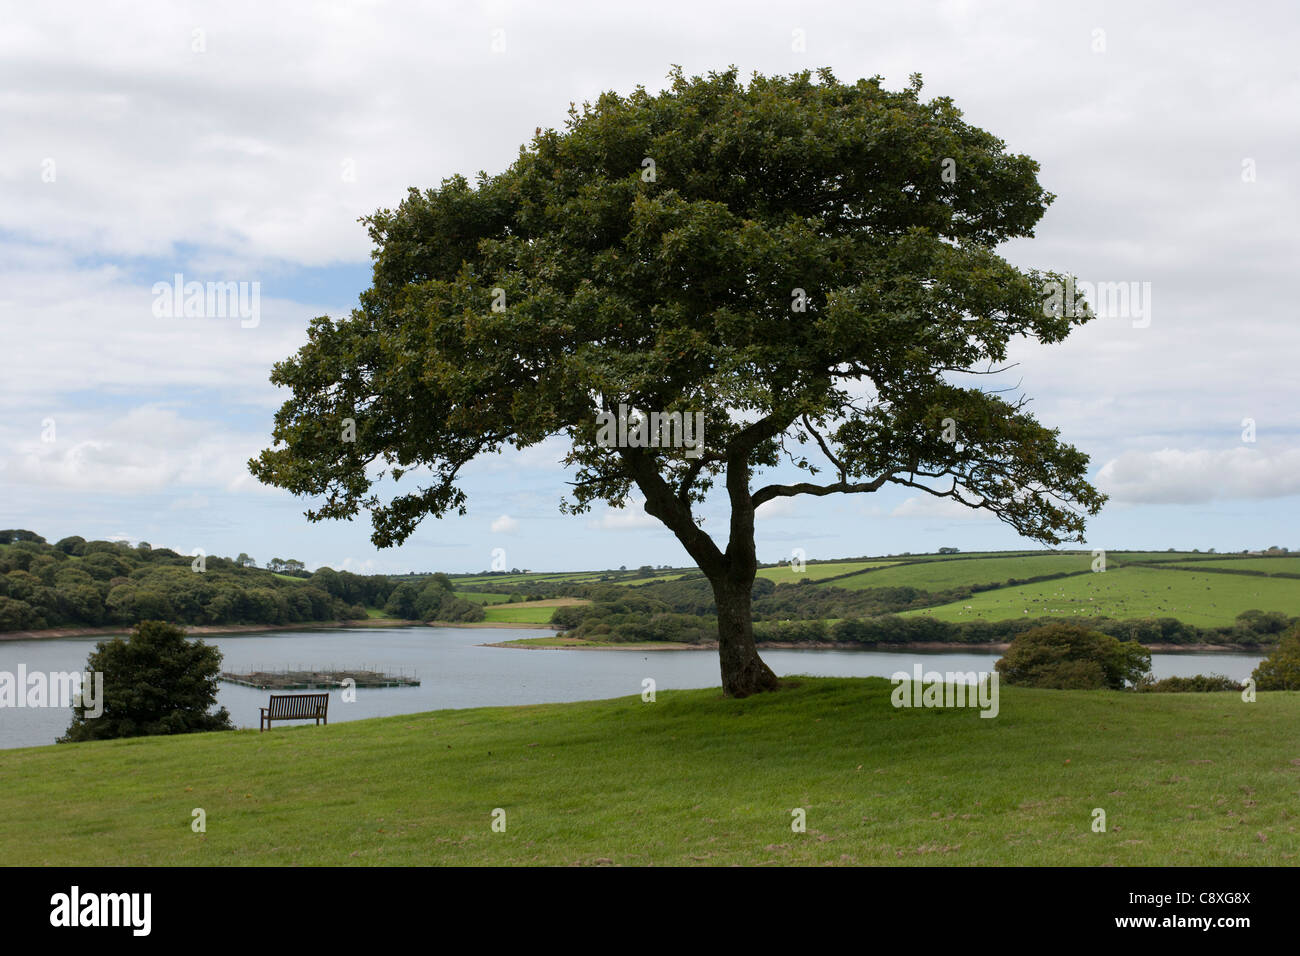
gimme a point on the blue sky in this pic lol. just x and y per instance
(238, 143)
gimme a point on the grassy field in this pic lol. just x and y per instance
(483, 597)
(1177, 584)
(528, 612)
(1288, 565)
(1151, 557)
(942, 575)
(689, 779)
(468, 583)
(1204, 599)
(816, 570)
(518, 614)
(958, 555)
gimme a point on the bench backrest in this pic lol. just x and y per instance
(299, 705)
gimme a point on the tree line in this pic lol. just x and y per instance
(683, 611)
(80, 583)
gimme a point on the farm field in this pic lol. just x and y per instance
(658, 577)
(518, 614)
(1203, 599)
(527, 612)
(1151, 557)
(942, 575)
(1287, 565)
(959, 555)
(503, 579)
(497, 580)
(483, 597)
(816, 570)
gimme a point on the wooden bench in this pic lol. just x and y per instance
(295, 707)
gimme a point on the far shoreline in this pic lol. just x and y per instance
(201, 630)
(940, 646)
(55, 633)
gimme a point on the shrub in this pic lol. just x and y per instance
(1281, 669)
(1071, 657)
(156, 682)
(568, 617)
(1200, 683)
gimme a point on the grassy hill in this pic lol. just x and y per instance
(1204, 599)
(1191, 587)
(942, 575)
(1282, 565)
(817, 570)
(691, 778)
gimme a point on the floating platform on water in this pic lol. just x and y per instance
(317, 680)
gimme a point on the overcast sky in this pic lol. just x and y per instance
(241, 142)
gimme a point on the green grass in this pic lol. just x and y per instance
(1289, 565)
(960, 554)
(500, 579)
(1150, 557)
(659, 577)
(1203, 599)
(943, 575)
(816, 570)
(518, 614)
(573, 577)
(483, 597)
(1189, 779)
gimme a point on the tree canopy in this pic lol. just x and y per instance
(156, 682)
(807, 264)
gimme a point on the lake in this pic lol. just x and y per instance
(455, 670)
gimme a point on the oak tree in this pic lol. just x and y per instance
(809, 264)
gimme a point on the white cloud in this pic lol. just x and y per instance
(930, 507)
(504, 525)
(631, 515)
(547, 455)
(148, 449)
(775, 508)
(357, 565)
(1172, 476)
(63, 329)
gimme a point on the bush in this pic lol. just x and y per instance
(1200, 683)
(1071, 657)
(1281, 669)
(156, 682)
(401, 603)
(566, 618)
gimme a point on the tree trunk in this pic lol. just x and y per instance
(743, 671)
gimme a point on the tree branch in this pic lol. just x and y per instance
(806, 488)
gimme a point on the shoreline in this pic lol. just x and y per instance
(54, 633)
(831, 645)
(385, 622)
(939, 646)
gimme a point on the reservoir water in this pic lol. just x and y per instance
(456, 670)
